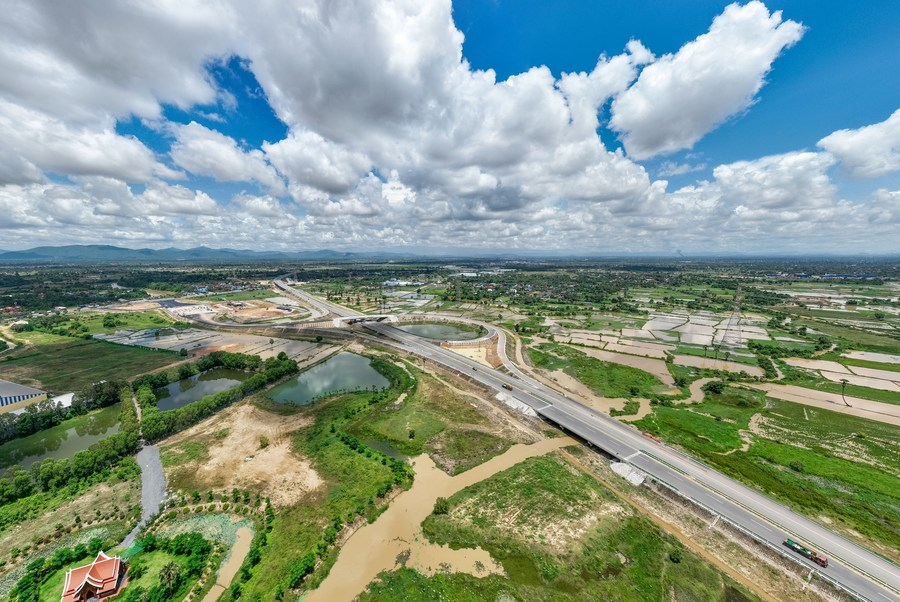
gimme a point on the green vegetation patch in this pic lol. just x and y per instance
(434, 418)
(59, 364)
(604, 378)
(461, 449)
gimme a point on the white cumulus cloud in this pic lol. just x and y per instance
(867, 152)
(683, 96)
(203, 151)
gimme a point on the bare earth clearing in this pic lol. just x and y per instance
(234, 458)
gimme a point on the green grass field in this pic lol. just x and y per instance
(136, 320)
(59, 364)
(440, 420)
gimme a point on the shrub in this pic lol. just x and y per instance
(441, 506)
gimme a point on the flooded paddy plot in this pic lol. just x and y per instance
(863, 377)
(863, 408)
(884, 358)
(655, 350)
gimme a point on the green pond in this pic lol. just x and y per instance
(188, 390)
(63, 440)
(440, 332)
(341, 372)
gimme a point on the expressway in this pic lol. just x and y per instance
(863, 573)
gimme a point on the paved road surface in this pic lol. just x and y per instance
(153, 488)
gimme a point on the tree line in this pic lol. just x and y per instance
(157, 425)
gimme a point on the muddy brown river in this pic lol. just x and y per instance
(374, 548)
(232, 564)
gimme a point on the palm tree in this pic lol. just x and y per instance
(169, 573)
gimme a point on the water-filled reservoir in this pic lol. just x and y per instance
(63, 440)
(440, 332)
(341, 372)
(188, 390)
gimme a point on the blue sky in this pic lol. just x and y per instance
(838, 76)
(588, 126)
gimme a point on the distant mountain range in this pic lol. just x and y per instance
(109, 253)
(76, 253)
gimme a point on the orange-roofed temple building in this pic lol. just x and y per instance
(101, 579)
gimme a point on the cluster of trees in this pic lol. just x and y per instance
(767, 366)
(716, 387)
(28, 588)
(174, 575)
(305, 564)
(47, 414)
(234, 361)
(216, 359)
(157, 425)
(52, 475)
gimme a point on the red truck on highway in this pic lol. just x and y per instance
(820, 560)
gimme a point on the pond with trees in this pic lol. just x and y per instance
(341, 372)
(197, 386)
(61, 441)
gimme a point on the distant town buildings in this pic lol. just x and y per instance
(395, 282)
